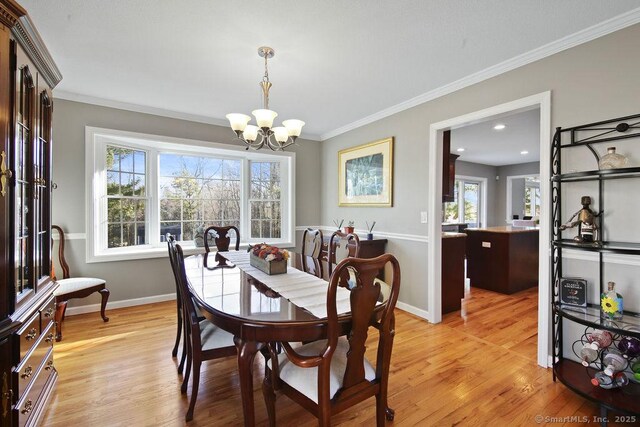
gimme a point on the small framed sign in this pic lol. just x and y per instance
(573, 291)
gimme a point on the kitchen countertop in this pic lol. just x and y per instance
(449, 235)
(505, 229)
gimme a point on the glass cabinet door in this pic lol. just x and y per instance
(22, 156)
(42, 158)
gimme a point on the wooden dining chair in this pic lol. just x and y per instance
(73, 287)
(311, 252)
(180, 316)
(222, 238)
(328, 376)
(205, 341)
(341, 246)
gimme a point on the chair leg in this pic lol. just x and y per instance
(61, 307)
(174, 352)
(269, 399)
(187, 372)
(195, 384)
(105, 297)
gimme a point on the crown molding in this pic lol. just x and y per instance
(27, 35)
(616, 23)
(145, 109)
(10, 11)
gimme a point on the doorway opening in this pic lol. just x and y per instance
(538, 194)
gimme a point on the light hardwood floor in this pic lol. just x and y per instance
(478, 369)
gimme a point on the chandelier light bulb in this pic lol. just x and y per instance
(250, 133)
(264, 117)
(294, 127)
(281, 134)
(238, 121)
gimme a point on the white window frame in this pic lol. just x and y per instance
(96, 141)
(482, 193)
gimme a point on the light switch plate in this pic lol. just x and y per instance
(423, 217)
(486, 244)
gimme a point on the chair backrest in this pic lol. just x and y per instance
(176, 257)
(311, 252)
(171, 240)
(366, 291)
(340, 246)
(222, 237)
(58, 262)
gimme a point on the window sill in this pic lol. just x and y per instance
(188, 248)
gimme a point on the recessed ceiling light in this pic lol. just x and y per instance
(524, 152)
(460, 150)
(500, 126)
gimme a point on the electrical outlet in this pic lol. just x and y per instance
(423, 217)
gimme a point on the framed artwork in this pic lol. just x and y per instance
(366, 174)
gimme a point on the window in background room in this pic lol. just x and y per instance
(265, 207)
(532, 196)
(466, 205)
(126, 197)
(197, 191)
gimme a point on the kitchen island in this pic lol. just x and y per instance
(503, 259)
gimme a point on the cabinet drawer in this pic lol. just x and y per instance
(28, 368)
(28, 335)
(47, 313)
(30, 402)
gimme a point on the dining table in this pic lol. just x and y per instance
(244, 302)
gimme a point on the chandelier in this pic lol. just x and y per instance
(276, 138)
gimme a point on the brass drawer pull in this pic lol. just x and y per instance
(5, 174)
(27, 372)
(49, 338)
(31, 335)
(28, 407)
(48, 312)
(49, 365)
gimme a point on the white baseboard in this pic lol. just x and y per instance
(91, 308)
(413, 310)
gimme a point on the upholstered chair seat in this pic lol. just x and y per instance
(213, 337)
(305, 380)
(75, 284)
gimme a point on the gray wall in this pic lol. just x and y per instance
(503, 172)
(590, 82)
(142, 278)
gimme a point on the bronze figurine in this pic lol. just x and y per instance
(586, 222)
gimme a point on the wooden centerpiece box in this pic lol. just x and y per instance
(269, 259)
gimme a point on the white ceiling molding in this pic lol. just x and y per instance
(601, 29)
(68, 96)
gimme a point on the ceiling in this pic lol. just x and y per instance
(336, 62)
(484, 145)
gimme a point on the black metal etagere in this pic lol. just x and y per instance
(572, 374)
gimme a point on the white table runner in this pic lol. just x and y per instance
(302, 289)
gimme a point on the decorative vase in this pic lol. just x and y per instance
(349, 230)
(369, 236)
(612, 160)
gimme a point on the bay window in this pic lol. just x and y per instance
(141, 187)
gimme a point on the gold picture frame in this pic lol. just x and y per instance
(366, 174)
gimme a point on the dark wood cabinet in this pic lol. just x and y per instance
(448, 168)
(453, 255)
(27, 76)
(502, 259)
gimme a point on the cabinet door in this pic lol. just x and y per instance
(6, 178)
(42, 186)
(21, 160)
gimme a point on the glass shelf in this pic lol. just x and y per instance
(628, 248)
(598, 174)
(629, 325)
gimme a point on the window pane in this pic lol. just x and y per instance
(471, 202)
(114, 210)
(113, 183)
(114, 239)
(450, 210)
(196, 191)
(265, 200)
